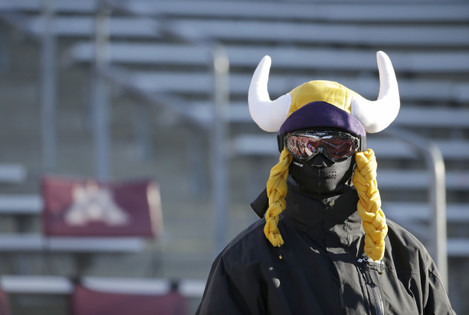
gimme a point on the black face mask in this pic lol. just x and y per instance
(322, 177)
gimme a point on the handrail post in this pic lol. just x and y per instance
(100, 98)
(48, 88)
(434, 162)
(219, 146)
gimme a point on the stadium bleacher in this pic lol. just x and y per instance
(159, 52)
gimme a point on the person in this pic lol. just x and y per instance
(323, 244)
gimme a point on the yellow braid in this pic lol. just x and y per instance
(276, 191)
(369, 204)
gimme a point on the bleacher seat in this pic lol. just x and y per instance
(105, 295)
(84, 216)
(86, 207)
(116, 301)
(4, 303)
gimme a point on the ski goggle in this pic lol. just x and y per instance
(335, 145)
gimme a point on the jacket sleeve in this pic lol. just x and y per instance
(221, 295)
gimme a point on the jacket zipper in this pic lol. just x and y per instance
(373, 289)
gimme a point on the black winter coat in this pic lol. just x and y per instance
(321, 268)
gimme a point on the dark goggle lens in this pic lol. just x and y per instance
(339, 148)
(304, 147)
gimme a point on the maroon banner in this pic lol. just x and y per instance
(92, 302)
(85, 207)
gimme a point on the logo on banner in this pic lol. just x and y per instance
(92, 203)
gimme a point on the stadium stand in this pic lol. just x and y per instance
(247, 39)
(160, 52)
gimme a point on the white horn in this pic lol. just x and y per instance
(268, 115)
(377, 115)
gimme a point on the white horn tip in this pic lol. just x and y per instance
(384, 63)
(266, 58)
(381, 55)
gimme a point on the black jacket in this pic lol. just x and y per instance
(321, 268)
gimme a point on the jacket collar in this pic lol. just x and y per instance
(334, 216)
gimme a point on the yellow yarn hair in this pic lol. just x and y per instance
(369, 204)
(276, 191)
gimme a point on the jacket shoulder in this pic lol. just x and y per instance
(248, 245)
(408, 250)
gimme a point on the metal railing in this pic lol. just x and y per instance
(431, 154)
(48, 92)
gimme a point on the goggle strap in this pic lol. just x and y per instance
(362, 146)
(280, 142)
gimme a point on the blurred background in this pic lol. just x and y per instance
(119, 91)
